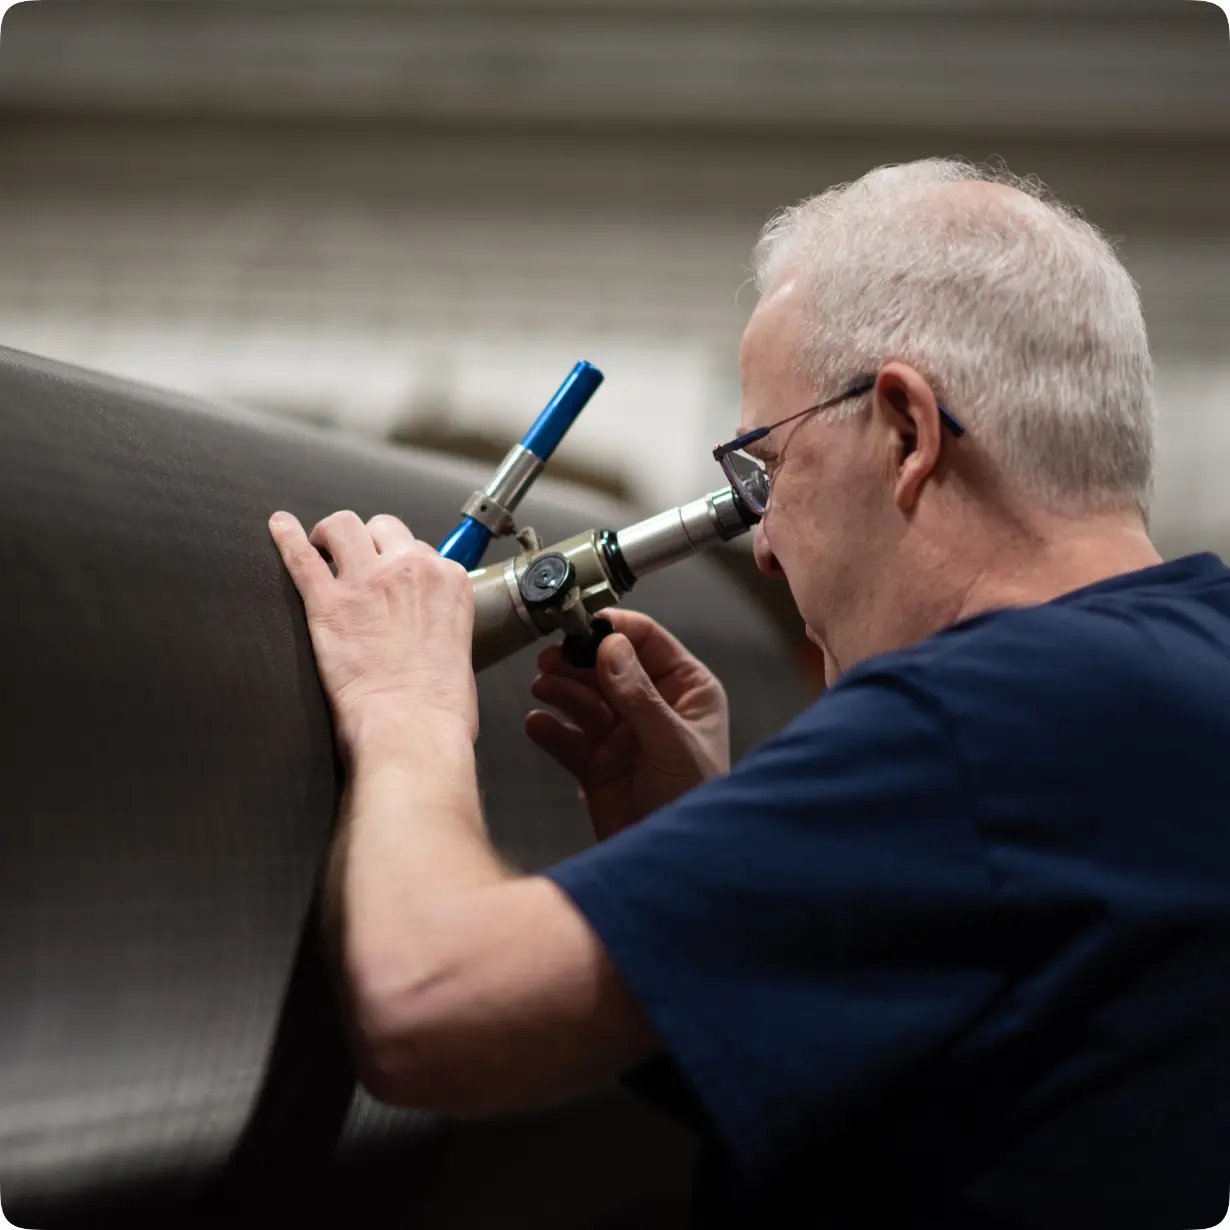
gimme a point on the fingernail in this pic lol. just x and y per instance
(622, 656)
(279, 519)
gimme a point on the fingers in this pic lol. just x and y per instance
(631, 693)
(580, 704)
(566, 745)
(347, 540)
(341, 537)
(307, 569)
(390, 534)
(659, 651)
(551, 661)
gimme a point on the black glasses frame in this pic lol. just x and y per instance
(757, 498)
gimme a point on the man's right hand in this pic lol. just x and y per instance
(644, 726)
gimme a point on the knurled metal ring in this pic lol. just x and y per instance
(489, 513)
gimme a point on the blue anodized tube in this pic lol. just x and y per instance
(521, 466)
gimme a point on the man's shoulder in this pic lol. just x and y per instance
(1130, 664)
(1166, 625)
(1004, 653)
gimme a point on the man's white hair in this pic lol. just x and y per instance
(1016, 310)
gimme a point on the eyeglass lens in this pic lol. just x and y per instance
(749, 479)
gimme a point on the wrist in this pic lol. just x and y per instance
(381, 736)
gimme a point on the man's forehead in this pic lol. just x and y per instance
(772, 331)
(768, 353)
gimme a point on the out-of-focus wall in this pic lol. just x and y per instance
(413, 218)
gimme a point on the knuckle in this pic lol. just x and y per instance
(304, 556)
(332, 521)
(388, 519)
(451, 569)
(404, 568)
(447, 571)
(394, 569)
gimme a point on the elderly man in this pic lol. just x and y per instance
(953, 948)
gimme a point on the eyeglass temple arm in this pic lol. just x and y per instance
(733, 446)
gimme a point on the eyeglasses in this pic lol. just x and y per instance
(748, 476)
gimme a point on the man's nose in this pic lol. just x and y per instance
(766, 561)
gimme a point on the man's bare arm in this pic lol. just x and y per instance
(470, 989)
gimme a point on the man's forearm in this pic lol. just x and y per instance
(410, 831)
(472, 989)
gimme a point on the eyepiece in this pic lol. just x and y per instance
(675, 534)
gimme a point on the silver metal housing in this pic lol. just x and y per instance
(515, 477)
(675, 534)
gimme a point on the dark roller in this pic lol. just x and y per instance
(169, 1045)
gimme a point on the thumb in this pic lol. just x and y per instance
(630, 692)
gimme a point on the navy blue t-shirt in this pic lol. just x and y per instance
(953, 949)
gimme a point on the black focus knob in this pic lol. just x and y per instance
(582, 651)
(545, 579)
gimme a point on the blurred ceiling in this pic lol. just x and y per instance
(390, 216)
(1127, 66)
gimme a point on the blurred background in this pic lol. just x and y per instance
(408, 220)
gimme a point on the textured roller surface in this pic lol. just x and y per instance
(169, 1049)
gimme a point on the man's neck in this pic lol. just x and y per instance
(1053, 559)
(1065, 557)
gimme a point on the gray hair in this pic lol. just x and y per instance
(1014, 308)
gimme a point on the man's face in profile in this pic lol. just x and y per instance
(816, 530)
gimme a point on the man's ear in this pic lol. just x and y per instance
(906, 404)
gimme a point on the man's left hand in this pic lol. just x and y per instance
(392, 630)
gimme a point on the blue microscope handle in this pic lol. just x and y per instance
(517, 472)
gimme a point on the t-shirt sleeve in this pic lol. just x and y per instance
(807, 932)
